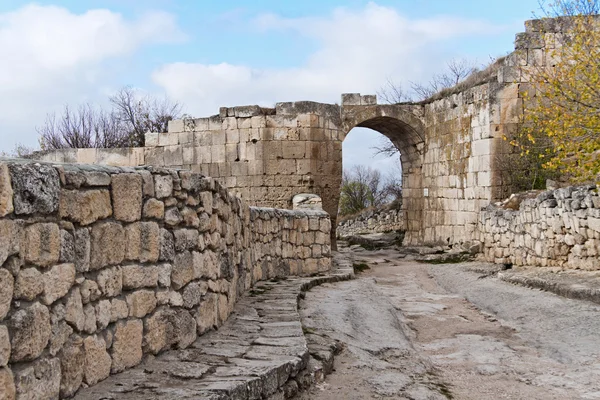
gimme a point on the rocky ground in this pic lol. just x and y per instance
(451, 331)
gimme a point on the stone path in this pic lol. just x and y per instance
(451, 331)
(261, 352)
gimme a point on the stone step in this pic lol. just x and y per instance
(261, 352)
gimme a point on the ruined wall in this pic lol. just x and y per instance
(559, 228)
(454, 158)
(382, 219)
(101, 265)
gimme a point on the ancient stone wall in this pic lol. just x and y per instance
(453, 155)
(102, 265)
(382, 219)
(559, 228)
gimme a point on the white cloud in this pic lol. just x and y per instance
(51, 56)
(358, 51)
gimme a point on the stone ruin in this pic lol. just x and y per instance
(139, 251)
(451, 146)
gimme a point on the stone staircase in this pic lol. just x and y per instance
(261, 352)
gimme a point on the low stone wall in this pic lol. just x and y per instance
(559, 228)
(384, 219)
(102, 265)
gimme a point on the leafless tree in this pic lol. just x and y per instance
(131, 117)
(141, 114)
(20, 150)
(456, 71)
(557, 8)
(364, 187)
(393, 93)
(392, 184)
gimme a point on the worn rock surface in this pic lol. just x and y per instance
(474, 336)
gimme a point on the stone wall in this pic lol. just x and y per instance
(559, 228)
(102, 265)
(382, 219)
(454, 158)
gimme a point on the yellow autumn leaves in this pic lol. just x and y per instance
(561, 121)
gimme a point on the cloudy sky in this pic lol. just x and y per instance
(208, 54)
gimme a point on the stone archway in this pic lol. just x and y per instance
(404, 127)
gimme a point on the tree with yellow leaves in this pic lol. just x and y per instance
(562, 115)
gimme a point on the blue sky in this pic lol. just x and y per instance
(208, 54)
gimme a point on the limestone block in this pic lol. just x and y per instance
(10, 233)
(173, 216)
(193, 293)
(167, 246)
(4, 346)
(89, 313)
(89, 291)
(110, 281)
(173, 155)
(119, 310)
(190, 217)
(6, 192)
(127, 196)
(6, 292)
(7, 385)
(142, 241)
(160, 330)
(186, 239)
(36, 188)
(168, 327)
(57, 282)
(167, 139)
(127, 345)
(141, 303)
(72, 363)
(39, 380)
(30, 330)
(163, 186)
(60, 334)
(103, 313)
(97, 360)
(40, 244)
(85, 207)
(82, 250)
(294, 149)
(164, 275)
(183, 270)
(107, 245)
(67, 247)
(74, 310)
(222, 309)
(154, 209)
(139, 276)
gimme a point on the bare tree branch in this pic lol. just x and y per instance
(126, 124)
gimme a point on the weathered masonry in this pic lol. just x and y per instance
(451, 147)
(100, 266)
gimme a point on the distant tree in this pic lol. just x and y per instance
(456, 71)
(364, 187)
(20, 150)
(132, 115)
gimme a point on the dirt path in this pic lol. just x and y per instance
(415, 331)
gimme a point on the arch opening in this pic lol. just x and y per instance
(406, 133)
